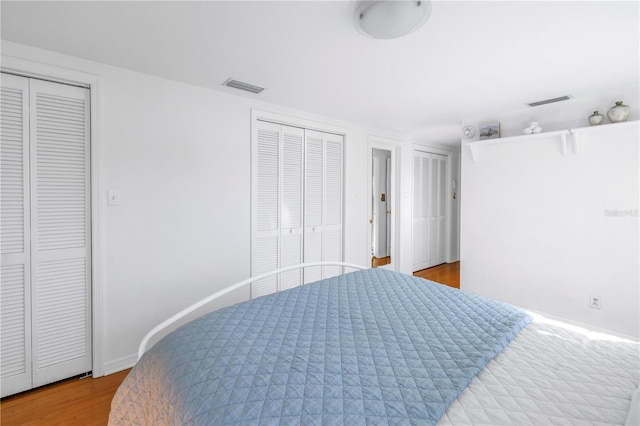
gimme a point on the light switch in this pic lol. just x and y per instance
(113, 198)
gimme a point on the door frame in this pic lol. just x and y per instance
(448, 191)
(27, 68)
(378, 142)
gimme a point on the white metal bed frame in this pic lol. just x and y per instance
(186, 311)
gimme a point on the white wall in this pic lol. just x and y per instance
(180, 157)
(537, 232)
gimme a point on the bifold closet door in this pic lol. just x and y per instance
(296, 204)
(323, 202)
(15, 266)
(277, 205)
(429, 209)
(53, 268)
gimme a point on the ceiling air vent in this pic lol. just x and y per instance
(243, 86)
(549, 101)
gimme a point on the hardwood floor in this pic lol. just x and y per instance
(88, 401)
(70, 402)
(447, 273)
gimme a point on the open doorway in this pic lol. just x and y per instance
(380, 207)
(382, 202)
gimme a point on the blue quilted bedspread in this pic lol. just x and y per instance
(368, 347)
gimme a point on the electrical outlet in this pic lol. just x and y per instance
(595, 302)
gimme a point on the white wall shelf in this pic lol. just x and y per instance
(476, 146)
(577, 133)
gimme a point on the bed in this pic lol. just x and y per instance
(375, 346)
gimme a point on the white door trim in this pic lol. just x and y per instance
(28, 68)
(392, 145)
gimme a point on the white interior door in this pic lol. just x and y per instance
(333, 203)
(15, 266)
(292, 200)
(429, 209)
(265, 227)
(46, 233)
(60, 231)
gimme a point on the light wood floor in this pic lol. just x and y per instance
(74, 402)
(88, 401)
(447, 273)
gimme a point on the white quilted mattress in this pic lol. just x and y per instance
(553, 374)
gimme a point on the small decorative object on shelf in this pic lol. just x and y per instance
(534, 127)
(618, 113)
(596, 119)
(490, 130)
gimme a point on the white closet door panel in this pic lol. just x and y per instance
(425, 186)
(442, 189)
(434, 185)
(438, 251)
(314, 173)
(333, 179)
(420, 228)
(15, 347)
(332, 250)
(292, 177)
(15, 291)
(291, 254)
(292, 204)
(429, 209)
(417, 187)
(312, 253)
(60, 227)
(62, 315)
(14, 168)
(332, 239)
(420, 245)
(267, 176)
(265, 259)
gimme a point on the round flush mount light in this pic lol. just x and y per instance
(388, 19)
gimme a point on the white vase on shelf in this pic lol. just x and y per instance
(596, 119)
(618, 113)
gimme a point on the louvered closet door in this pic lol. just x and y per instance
(15, 269)
(313, 203)
(296, 203)
(292, 199)
(60, 231)
(437, 210)
(429, 209)
(332, 244)
(265, 252)
(421, 164)
(323, 202)
(278, 198)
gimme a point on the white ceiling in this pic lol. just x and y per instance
(471, 59)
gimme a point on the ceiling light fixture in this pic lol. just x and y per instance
(387, 19)
(242, 86)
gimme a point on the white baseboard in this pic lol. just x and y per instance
(120, 364)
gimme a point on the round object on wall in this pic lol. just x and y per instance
(468, 132)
